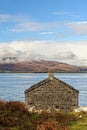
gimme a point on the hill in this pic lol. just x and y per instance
(39, 66)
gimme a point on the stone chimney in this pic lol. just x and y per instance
(51, 73)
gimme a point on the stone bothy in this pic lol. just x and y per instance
(52, 93)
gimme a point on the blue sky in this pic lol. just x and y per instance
(43, 24)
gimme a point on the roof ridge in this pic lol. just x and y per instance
(45, 81)
(38, 84)
(67, 84)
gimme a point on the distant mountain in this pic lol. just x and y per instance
(39, 66)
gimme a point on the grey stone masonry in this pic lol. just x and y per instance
(52, 93)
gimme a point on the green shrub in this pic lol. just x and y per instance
(14, 116)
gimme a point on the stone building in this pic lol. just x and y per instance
(52, 93)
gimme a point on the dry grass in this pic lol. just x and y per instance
(14, 116)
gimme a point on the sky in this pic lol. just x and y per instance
(43, 30)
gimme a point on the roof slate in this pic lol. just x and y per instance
(46, 81)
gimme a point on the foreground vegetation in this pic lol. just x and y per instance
(14, 116)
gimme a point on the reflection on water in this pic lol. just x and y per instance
(12, 85)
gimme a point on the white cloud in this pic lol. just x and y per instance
(25, 23)
(71, 14)
(66, 55)
(69, 57)
(12, 18)
(79, 27)
(20, 23)
(4, 18)
(72, 53)
(47, 33)
(34, 26)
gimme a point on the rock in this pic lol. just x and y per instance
(84, 108)
(31, 109)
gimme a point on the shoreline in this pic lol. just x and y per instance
(41, 72)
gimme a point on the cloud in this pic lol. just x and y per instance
(71, 14)
(66, 55)
(20, 23)
(79, 28)
(4, 18)
(47, 33)
(34, 26)
(69, 57)
(64, 29)
(72, 52)
(12, 18)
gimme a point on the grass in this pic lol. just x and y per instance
(14, 116)
(79, 125)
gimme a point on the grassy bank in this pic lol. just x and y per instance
(14, 116)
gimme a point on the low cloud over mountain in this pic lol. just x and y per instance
(19, 51)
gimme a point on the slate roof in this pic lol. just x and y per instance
(49, 79)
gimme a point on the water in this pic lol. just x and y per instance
(12, 85)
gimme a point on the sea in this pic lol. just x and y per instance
(13, 85)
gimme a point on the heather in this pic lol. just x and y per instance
(15, 116)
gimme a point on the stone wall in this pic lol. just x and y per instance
(54, 94)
